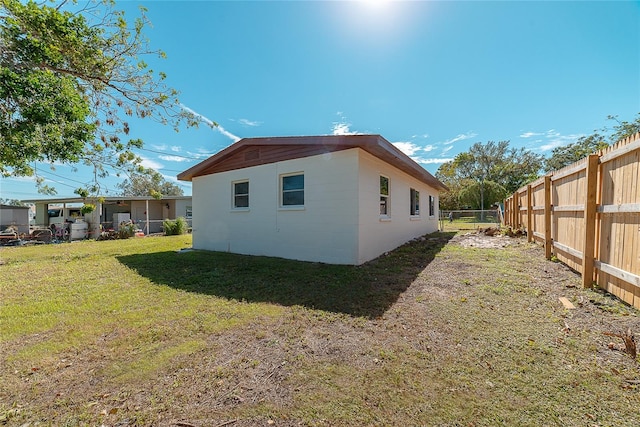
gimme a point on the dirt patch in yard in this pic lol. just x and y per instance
(479, 239)
(479, 338)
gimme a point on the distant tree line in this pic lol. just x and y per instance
(489, 172)
(11, 202)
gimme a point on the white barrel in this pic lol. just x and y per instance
(79, 230)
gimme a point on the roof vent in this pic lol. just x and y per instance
(252, 154)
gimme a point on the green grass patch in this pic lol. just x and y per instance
(70, 295)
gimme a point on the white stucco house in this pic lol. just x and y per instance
(342, 199)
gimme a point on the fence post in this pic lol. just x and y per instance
(590, 220)
(506, 209)
(529, 215)
(548, 243)
(514, 206)
(504, 221)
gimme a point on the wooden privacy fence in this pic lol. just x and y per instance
(587, 215)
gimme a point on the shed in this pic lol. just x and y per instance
(16, 216)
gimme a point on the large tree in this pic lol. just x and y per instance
(488, 172)
(150, 183)
(71, 76)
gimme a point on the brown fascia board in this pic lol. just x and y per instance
(200, 168)
(373, 144)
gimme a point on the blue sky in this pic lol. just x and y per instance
(432, 77)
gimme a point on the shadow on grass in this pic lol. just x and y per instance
(367, 290)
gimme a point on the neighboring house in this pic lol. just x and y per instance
(147, 212)
(14, 216)
(336, 199)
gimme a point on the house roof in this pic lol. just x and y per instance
(259, 151)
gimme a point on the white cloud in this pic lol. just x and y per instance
(342, 129)
(165, 147)
(435, 161)
(18, 178)
(408, 148)
(199, 155)
(200, 116)
(530, 134)
(228, 134)
(151, 164)
(446, 149)
(558, 141)
(251, 123)
(551, 139)
(415, 151)
(213, 125)
(171, 178)
(460, 137)
(170, 158)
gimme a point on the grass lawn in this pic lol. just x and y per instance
(138, 332)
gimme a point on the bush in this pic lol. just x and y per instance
(87, 208)
(173, 228)
(126, 230)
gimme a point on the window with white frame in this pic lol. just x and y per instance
(384, 196)
(414, 195)
(432, 206)
(188, 212)
(292, 189)
(241, 195)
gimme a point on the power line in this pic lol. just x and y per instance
(20, 192)
(172, 170)
(173, 154)
(107, 189)
(60, 176)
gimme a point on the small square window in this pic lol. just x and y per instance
(241, 194)
(293, 190)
